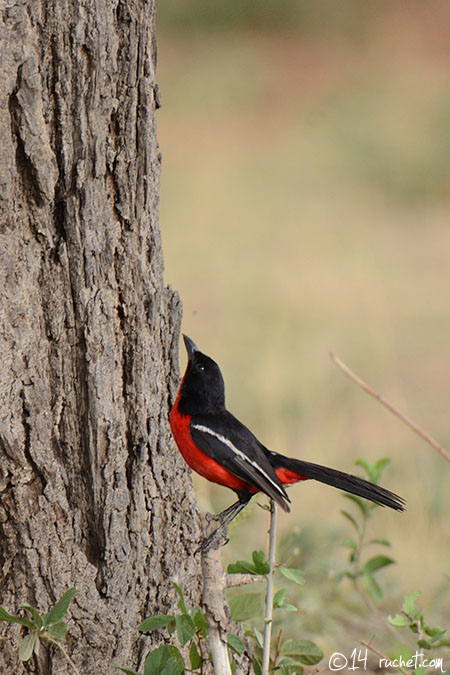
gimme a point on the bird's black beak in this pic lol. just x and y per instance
(191, 347)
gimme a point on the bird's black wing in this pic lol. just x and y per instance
(226, 440)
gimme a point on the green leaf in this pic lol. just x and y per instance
(155, 622)
(278, 598)
(37, 618)
(399, 620)
(286, 666)
(58, 611)
(194, 656)
(289, 670)
(373, 471)
(376, 563)
(245, 605)
(409, 605)
(373, 588)
(200, 622)
(261, 565)
(353, 520)
(293, 575)
(128, 671)
(241, 567)
(181, 603)
(306, 651)
(185, 628)
(383, 542)
(338, 576)
(258, 636)
(28, 646)
(294, 669)
(425, 644)
(434, 633)
(258, 557)
(379, 468)
(235, 644)
(358, 501)
(368, 468)
(350, 543)
(258, 566)
(289, 608)
(165, 660)
(6, 616)
(257, 667)
(58, 631)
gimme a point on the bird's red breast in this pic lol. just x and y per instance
(198, 460)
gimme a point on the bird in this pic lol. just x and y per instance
(219, 447)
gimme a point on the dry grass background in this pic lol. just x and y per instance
(305, 207)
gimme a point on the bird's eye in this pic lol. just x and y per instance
(200, 368)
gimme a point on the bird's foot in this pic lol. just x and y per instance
(214, 519)
(215, 539)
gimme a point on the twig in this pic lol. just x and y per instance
(406, 420)
(233, 580)
(269, 594)
(214, 603)
(381, 655)
(66, 656)
(278, 646)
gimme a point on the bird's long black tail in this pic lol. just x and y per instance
(287, 468)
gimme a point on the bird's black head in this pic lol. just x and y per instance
(203, 388)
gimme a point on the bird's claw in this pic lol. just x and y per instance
(215, 540)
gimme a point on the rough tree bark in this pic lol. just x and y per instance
(93, 492)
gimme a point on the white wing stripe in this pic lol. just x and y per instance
(239, 453)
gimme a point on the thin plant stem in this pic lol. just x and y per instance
(401, 416)
(380, 654)
(66, 655)
(278, 646)
(367, 600)
(269, 593)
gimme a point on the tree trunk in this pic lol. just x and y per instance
(93, 491)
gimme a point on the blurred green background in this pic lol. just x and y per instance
(305, 208)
